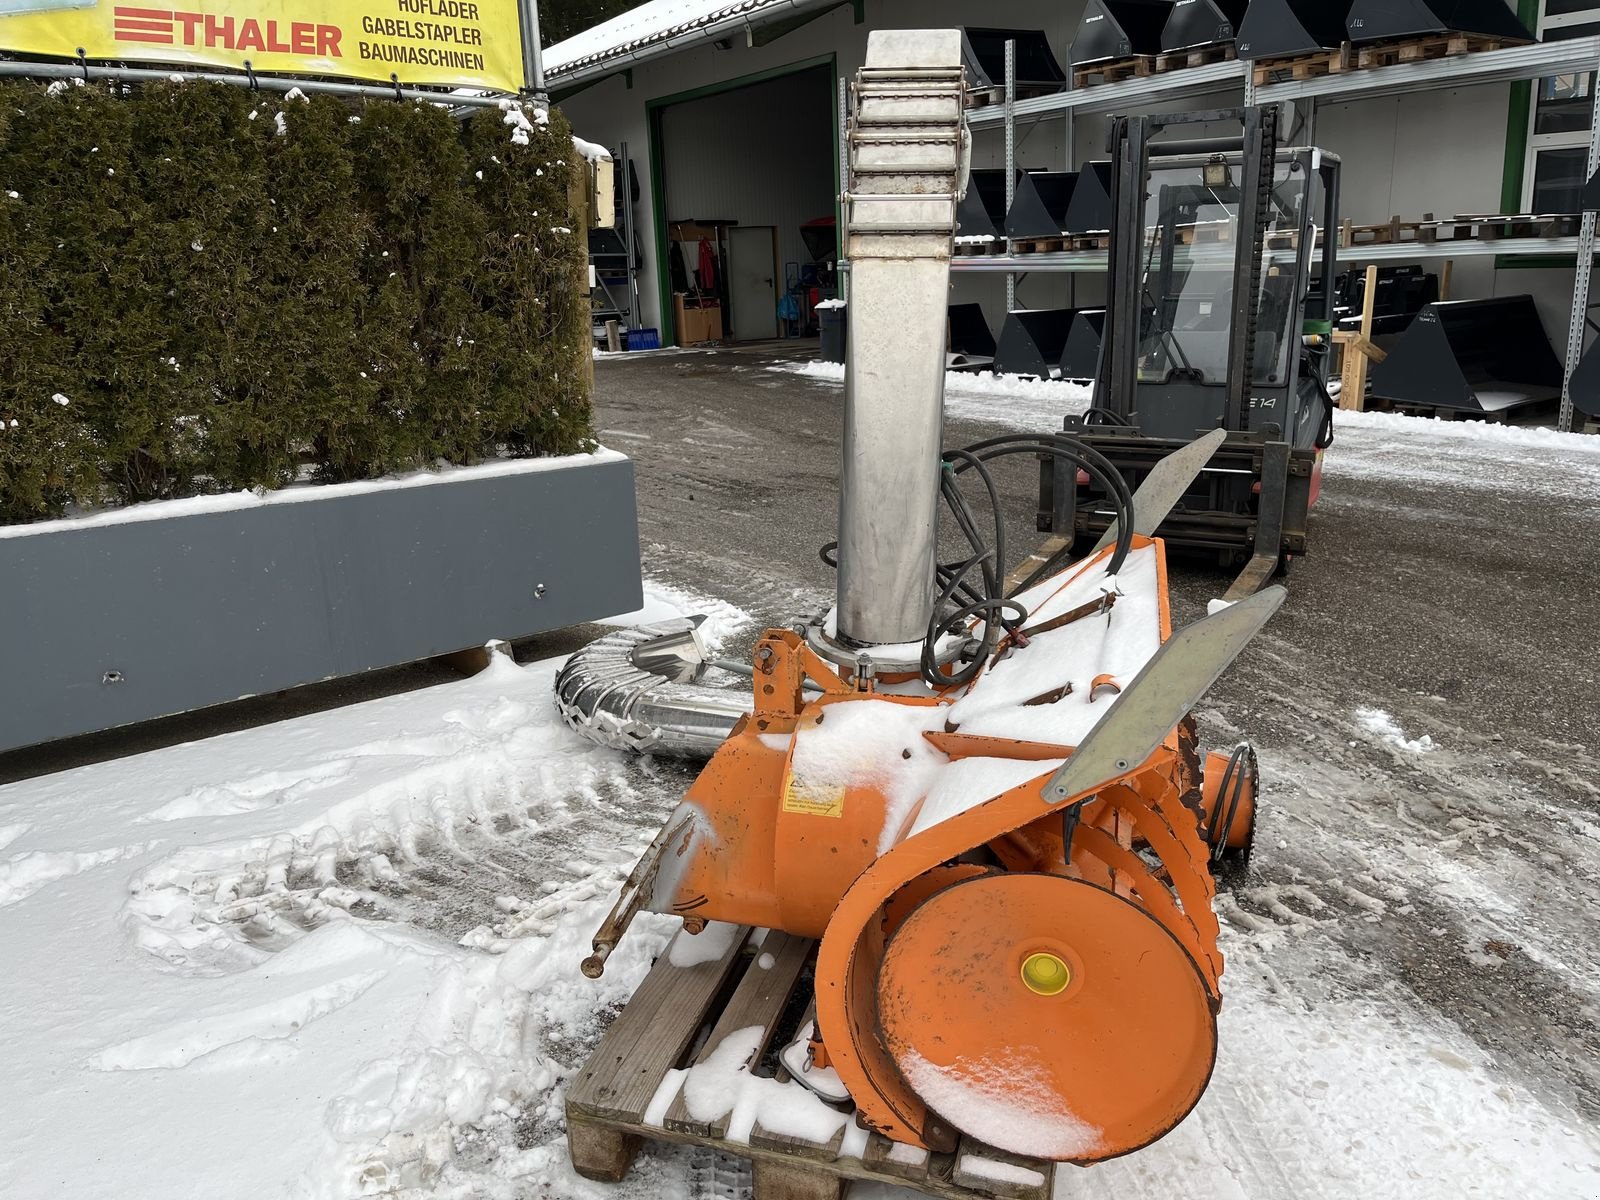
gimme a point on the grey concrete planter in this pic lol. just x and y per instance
(144, 612)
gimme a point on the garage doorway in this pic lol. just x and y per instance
(739, 169)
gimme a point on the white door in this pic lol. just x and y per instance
(753, 282)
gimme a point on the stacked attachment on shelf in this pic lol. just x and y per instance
(1275, 29)
(1112, 30)
(1391, 20)
(982, 216)
(1202, 23)
(1475, 356)
(1039, 212)
(983, 53)
(1090, 210)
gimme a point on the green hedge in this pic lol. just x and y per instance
(206, 289)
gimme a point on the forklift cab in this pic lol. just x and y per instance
(1216, 317)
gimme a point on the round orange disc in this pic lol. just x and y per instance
(1046, 1016)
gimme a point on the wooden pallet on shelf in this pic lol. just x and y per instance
(1490, 227)
(990, 96)
(632, 1088)
(1195, 56)
(1427, 48)
(1303, 66)
(1114, 70)
(1390, 232)
(1053, 245)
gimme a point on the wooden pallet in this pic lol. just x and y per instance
(1198, 56)
(1493, 226)
(1390, 232)
(1304, 66)
(976, 249)
(1424, 49)
(991, 96)
(1114, 70)
(1053, 245)
(640, 1065)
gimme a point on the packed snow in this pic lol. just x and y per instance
(338, 956)
(1024, 402)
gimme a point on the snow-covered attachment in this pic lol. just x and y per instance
(636, 690)
(982, 798)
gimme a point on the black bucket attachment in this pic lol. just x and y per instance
(821, 238)
(1202, 23)
(970, 334)
(1040, 209)
(1586, 383)
(1388, 20)
(1485, 356)
(1402, 293)
(1090, 208)
(983, 53)
(1032, 342)
(1081, 358)
(983, 209)
(1286, 28)
(1119, 29)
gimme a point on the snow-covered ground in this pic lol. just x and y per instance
(338, 956)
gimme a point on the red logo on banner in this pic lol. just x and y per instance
(166, 27)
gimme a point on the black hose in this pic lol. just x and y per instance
(1001, 613)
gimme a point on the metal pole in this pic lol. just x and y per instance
(266, 83)
(532, 52)
(1011, 161)
(625, 169)
(1580, 285)
(844, 179)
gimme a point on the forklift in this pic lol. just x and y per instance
(1217, 317)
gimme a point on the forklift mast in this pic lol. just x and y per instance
(1216, 317)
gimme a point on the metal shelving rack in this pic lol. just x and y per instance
(1489, 66)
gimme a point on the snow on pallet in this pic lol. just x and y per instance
(658, 1075)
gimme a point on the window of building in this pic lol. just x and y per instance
(1558, 135)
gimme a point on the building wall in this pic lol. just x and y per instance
(1432, 152)
(761, 155)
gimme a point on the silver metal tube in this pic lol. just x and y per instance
(606, 697)
(532, 49)
(265, 83)
(900, 217)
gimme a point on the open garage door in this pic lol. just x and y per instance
(741, 170)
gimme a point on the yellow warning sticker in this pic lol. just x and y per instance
(813, 800)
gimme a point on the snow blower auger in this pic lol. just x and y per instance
(983, 797)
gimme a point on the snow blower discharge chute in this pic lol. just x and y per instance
(982, 794)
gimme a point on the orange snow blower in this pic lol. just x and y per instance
(984, 798)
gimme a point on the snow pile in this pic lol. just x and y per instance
(1375, 720)
(662, 602)
(232, 941)
(723, 1086)
(1012, 699)
(875, 744)
(1033, 404)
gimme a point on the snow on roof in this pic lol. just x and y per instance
(652, 23)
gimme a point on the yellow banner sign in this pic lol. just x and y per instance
(449, 43)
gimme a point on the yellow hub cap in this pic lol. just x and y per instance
(1045, 974)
